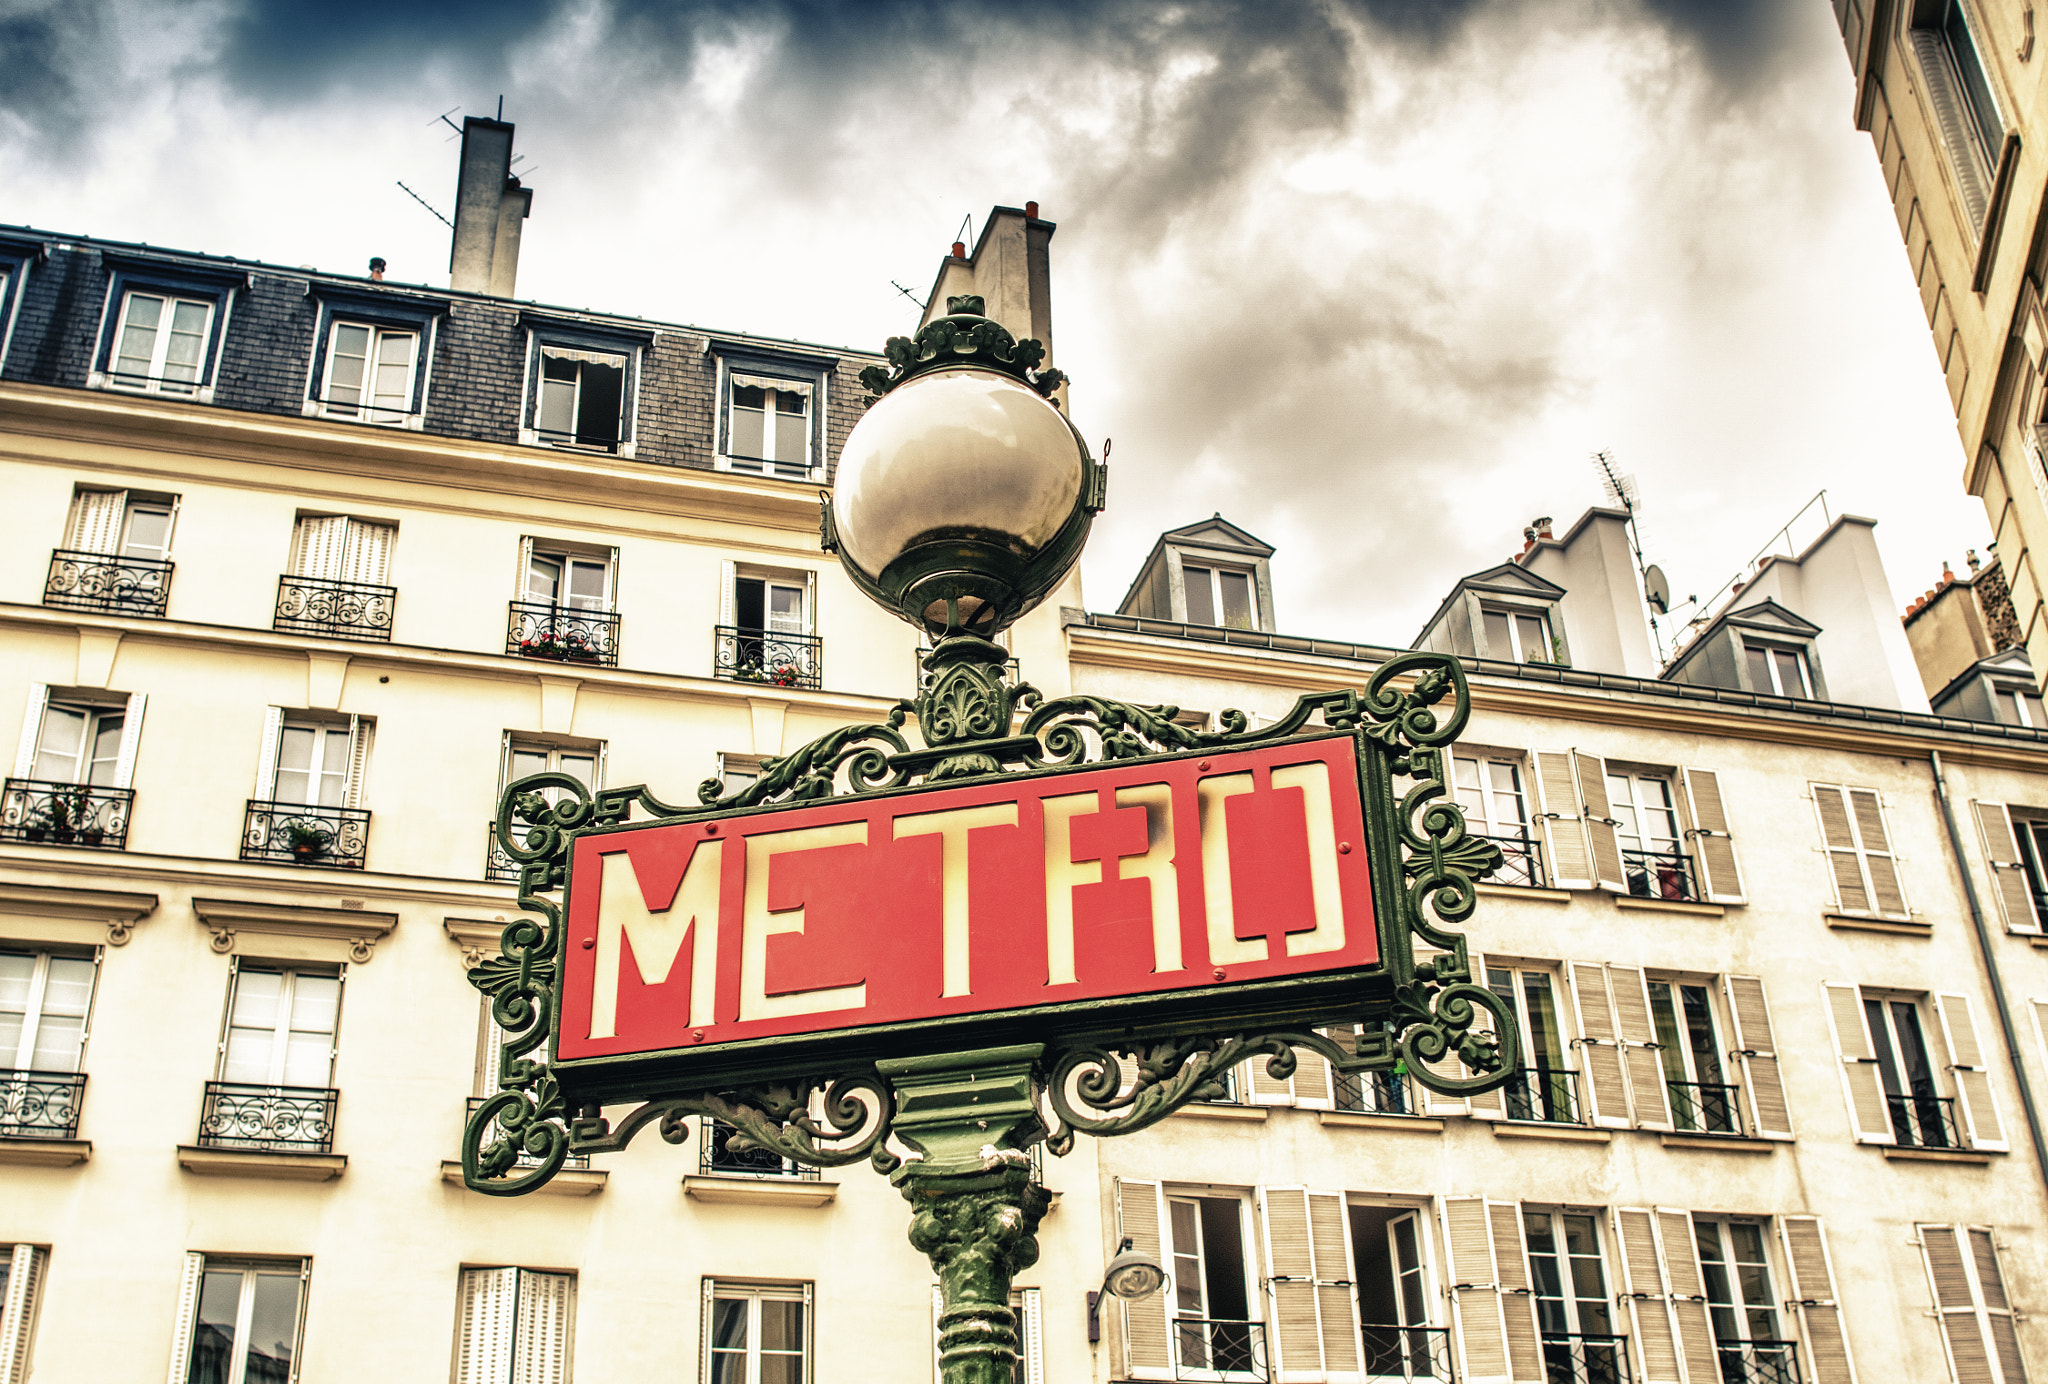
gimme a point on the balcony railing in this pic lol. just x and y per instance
(104, 582)
(338, 609)
(563, 634)
(65, 814)
(499, 868)
(1758, 1362)
(1406, 1352)
(525, 1159)
(741, 654)
(40, 1105)
(296, 834)
(1543, 1094)
(1578, 1357)
(1377, 1093)
(1209, 1349)
(717, 1155)
(274, 1119)
(1925, 1122)
(1704, 1108)
(1659, 875)
(1521, 862)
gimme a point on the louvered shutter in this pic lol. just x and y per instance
(611, 580)
(1476, 1307)
(1813, 1292)
(1651, 1099)
(1757, 1047)
(1681, 1258)
(1886, 894)
(1998, 1316)
(18, 1312)
(361, 736)
(1844, 860)
(486, 1324)
(1713, 848)
(1598, 1045)
(1567, 855)
(1294, 1336)
(1649, 1297)
(131, 740)
(1312, 1078)
(96, 521)
(522, 589)
(1030, 1308)
(318, 552)
(1261, 1087)
(1979, 1106)
(2009, 882)
(188, 1312)
(1962, 1325)
(1141, 1218)
(728, 593)
(366, 553)
(1869, 1116)
(546, 1328)
(1329, 1239)
(266, 754)
(1601, 833)
(1518, 1300)
(31, 729)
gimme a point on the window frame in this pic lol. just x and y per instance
(1718, 1226)
(1215, 569)
(1249, 1269)
(280, 1038)
(754, 1292)
(812, 372)
(1569, 1296)
(197, 1266)
(1553, 973)
(1862, 851)
(2023, 699)
(17, 261)
(1682, 1052)
(631, 345)
(35, 1004)
(1514, 613)
(1770, 650)
(337, 306)
(128, 277)
(567, 552)
(515, 1322)
(98, 704)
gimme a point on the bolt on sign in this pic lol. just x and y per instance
(1080, 901)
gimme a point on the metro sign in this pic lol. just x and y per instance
(1105, 900)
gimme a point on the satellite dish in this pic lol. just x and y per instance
(1656, 590)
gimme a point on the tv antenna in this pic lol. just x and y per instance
(1622, 489)
(908, 294)
(425, 203)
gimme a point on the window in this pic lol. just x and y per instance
(1491, 791)
(1213, 1326)
(515, 1326)
(1777, 670)
(562, 579)
(73, 768)
(79, 744)
(2018, 706)
(337, 586)
(116, 553)
(1959, 90)
(2016, 847)
(1906, 1070)
(1574, 1314)
(764, 633)
(1690, 1047)
(1397, 1298)
(312, 765)
(1859, 851)
(737, 772)
(162, 343)
(1542, 1089)
(1889, 1066)
(280, 1027)
(1224, 597)
(44, 1001)
(1968, 1284)
(1742, 1300)
(121, 523)
(338, 548)
(369, 372)
(21, 1278)
(756, 1333)
(1519, 636)
(768, 425)
(1646, 816)
(719, 1155)
(581, 397)
(239, 1320)
(311, 783)
(580, 762)
(563, 609)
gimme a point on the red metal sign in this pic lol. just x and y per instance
(1138, 879)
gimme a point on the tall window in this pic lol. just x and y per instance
(1742, 1303)
(79, 743)
(1573, 1310)
(162, 343)
(1905, 1068)
(333, 547)
(121, 523)
(21, 1273)
(1701, 1096)
(1652, 854)
(1496, 804)
(280, 1028)
(769, 424)
(1212, 1316)
(312, 765)
(772, 604)
(582, 397)
(515, 1326)
(1542, 1090)
(44, 1000)
(244, 1327)
(1224, 597)
(1519, 636)
(1395, 1295)
(370, 372)
(1964, 107)
(757, 1333)
(1775, 669)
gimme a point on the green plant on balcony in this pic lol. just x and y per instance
(306, 842)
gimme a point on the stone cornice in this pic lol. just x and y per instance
(119, 911)
(357, 929)
(287, 884)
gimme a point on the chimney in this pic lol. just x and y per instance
(377, 267)
(489, 206)
(1009, 269)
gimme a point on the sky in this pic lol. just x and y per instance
(1373, 280)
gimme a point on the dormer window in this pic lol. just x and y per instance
(2018, 706)
(1220, 596)
(772, 411)
(161, 330)
(1519, 636)
(583, 383)
(370, 372)
(1779, 670)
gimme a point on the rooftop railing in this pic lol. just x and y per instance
(107, 583)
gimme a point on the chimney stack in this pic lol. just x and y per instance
(489, 207)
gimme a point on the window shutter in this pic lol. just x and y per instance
(1758, 1049)
(266, 756)
(1966, 1066)
(1681, 1256)
(1885, 893)
(18, 1313)
(1868, 1114)
(318, 551)
(1261, 1086)
(1639, 1047)
(1962, 1324)
(1599, 1048)
(31, 729)
(1850, 894)
(1998, 1316)
(1511, 1253)
(361, 734)
(810, 601)
(611, 580)
(1567, 855)
(1813, 1292)
(1713, 848)
(1140, 1217)
(1475, 1292)
(1649, 1296)
(485, 1322)
(1601, 835)
(1031, 1336)
(171, 524)
(1312, 1078)
(366, 553)
(1294, 1338)
(1329, 1239)
(1939, 83)
(728, 582)
(131, 737)
(96, 521)
(546, 1328)
(188, 1311)
(525, 572)
(2008, 869)
(2040, 1008)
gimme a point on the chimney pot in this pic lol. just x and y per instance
(959, 250)
(1970, 556)
(1031, 210)
(377, 268)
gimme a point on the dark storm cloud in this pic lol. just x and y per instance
(41, 59)
(283, 49)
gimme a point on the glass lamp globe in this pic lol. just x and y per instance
(960, 500)
(1133, 1275)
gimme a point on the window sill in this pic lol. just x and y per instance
(1222, 1111)
(44, 1153)
(1856, 922)
(759, 1191)
(1720, 1143)
(1899, 1155)
(1521, 891)
(1564, 1134)
(2036, 940)
(1361, 1119)
(276, 1167)
(1697, 910)
(569, 1182)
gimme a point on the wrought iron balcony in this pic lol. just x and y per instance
(1206, 1348)
(1925, 1122)
(1521, 863)
(65, 814)
(275, 1119)
(525, 1159)
(1377, 1093)
(560, 634)
(717, 1155)
(104, 582)
(499, 868)
(1758, 1362)
(337, 609)
(297, 834)
(1705, 1108)
(1546, 1095)
(1393, 1351)
(741, 654)
(1659, 875)
(40, 1105)
(1585, 1357)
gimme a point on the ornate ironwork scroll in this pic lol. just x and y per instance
(103, 581)
(339, 609)
(539, 629)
